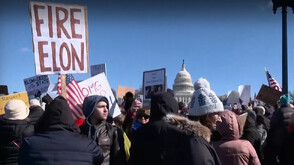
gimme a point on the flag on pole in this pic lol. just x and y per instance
(272, 82)
(74, 96)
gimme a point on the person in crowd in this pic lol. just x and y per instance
(279, 125)
(260, 112)
(171, 139)
(129, 119)
(12, 125)
(57, 140)
(142, 117)
(288, 147)
(36, 111)
(251, 133)
(230, 149)
(118, 121)
(206, 107)
(183, 110)
(127, 103)
(107, 136)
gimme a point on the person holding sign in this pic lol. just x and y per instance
(108, 137)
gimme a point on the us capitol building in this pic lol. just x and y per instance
(183, 87)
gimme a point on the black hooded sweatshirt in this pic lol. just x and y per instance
(57, 140)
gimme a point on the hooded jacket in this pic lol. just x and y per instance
(108, 137)
(57, 140)
(171, 139)
(230, 149)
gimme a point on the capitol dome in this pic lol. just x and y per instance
(183, 87)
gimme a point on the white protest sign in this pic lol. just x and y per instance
(244, 91)
(60, 38)
(98, 85)
(97, 69)
(233, 97)
(37, 85)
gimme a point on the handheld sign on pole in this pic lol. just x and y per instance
(60, 38)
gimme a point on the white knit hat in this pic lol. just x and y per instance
(204, 100)
(16, 110)
(34, 102)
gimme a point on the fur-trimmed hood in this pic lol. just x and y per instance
(188, 126)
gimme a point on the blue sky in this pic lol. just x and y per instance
(228, 42)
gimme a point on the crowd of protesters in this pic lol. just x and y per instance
(207, 131)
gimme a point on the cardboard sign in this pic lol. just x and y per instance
(98, 85)
(268, 95)
(97, 69)
(37, 85)
(4, 89)
(242, 120)
(21, 96)
(122, 90)
(60, 38)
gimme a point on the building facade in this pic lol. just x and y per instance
(183, 86)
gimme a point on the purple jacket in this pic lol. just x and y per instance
(230, 149)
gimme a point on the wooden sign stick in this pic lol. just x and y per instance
(63, 85)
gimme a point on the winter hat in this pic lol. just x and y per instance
(34, 102)
(16, 110)
(285, 99)
(89, 104)
(142, 112)
(204, 100)
(57, 114)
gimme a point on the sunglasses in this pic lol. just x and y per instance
(145, 116)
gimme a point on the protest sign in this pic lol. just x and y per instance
(60, 38)
(122, 90)
(37, 85)
(21, 96)
(269, 95)
(97, 69)
(4, 89)
(153, 81)
(98, 85)
(244, 91)
(233, 97)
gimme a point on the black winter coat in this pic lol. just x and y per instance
(10, 130)
(276, 138)
(171, 139)
(59, 146)
(56, 140)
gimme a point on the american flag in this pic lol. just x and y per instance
(272, 82)
(74, 96)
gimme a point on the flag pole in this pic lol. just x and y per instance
(63, 85)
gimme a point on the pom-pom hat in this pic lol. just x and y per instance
(204, 100)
